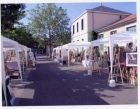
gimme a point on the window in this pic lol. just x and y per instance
(73, 29)
(100, 36)
(77, 27)
(113, 32)
(131, 28)
(82, 24)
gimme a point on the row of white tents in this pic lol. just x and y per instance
(8, 44)
(119, 38)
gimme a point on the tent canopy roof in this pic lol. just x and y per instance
(124, 37)
(78, 44)
(11, 44)
(8, 43)
(82, 44)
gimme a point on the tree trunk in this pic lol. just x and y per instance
(46, 52)
(50, 43)
(50, 50)
(46, 49)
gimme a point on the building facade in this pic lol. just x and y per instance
(126, 24)
(123, 25)
(102, 20)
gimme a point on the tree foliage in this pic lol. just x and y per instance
(50, 21)
(11, 14)
(63, 38)
(93, 35)
(21, 35)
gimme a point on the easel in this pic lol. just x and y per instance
(117, 71)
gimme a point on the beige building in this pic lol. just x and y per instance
(123, 25)
(126, 24)
(103, 21)
(91, 20)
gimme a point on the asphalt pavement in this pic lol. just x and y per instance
(53, 84)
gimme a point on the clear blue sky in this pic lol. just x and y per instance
(75, 9)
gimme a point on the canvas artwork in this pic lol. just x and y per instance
(131, 59)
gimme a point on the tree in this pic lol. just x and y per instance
(21, 35)
(10, 15)
(49, 22)
(40, 42)
(63, 38)
(93, 35)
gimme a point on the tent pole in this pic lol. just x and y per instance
(26, 55)
(90, 52)
(68, 58)
(23, 63)
(86, 54)
(62, 56)
(4, 78)
(52, 53)
(18, 61)
(111, 57)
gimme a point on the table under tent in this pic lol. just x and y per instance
(121, 39)
(14, 62)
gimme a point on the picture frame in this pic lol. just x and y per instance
(131, 59)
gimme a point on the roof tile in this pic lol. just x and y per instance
(107, 9)
(131, 17)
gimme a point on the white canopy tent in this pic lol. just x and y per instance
(57, 50)
(79, 44)
(5, 45)
(26, 49)
(8, 44)
(73, 46)
(69, 46)
(119, 38)
(124, 37)
(64, 49)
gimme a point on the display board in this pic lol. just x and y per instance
(131, 59)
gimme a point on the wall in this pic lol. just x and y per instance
(92, 21)
(119, 29)
(81, 34)
(100, 20)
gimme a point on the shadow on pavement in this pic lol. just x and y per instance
(53, 86)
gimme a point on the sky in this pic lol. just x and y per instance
(75, 9)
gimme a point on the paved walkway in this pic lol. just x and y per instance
(52, 84)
